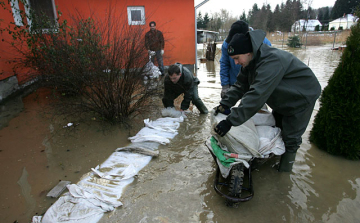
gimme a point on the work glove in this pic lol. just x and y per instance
(223, 127)
(222, 109)
(162, 52)
(151, 53)
(224, 90)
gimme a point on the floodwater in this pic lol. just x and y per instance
(36, 151)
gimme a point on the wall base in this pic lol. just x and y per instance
(8, 86)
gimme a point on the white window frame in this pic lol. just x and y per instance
(16, 12)
(142, 11)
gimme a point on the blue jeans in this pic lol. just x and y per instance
(159, 59)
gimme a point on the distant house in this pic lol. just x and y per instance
(204, 36)
(178, 28)
(344, 22)
(305, 25)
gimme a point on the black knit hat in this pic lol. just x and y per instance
(239, 44)
(237, 27)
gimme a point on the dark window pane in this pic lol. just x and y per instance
(43, 13)
(136, 15)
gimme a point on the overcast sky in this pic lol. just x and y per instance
(236, 7)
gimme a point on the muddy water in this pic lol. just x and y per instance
(37, 152)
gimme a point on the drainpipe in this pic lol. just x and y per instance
(196, 7)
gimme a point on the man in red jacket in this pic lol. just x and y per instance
(154, 42)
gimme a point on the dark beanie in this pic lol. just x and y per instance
(237, 27)
(239, 44)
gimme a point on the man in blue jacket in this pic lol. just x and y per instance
(228, 69)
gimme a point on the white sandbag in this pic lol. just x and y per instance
(36, 219)
(241, 139)
(151, 70)
(263, 117)
(172, 112)
(146, 131)
(158, 139)
(270, 140)
(146, 145)
(170, 126)
(93, 195)
(70, 209)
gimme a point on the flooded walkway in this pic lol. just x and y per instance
(37, 152)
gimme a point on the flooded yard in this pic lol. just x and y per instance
(37, 151)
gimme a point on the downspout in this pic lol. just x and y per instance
(196, 7)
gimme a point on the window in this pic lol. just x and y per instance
(44, 13)
(136, 15)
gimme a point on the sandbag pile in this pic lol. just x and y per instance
(256, 138)
(100, 190)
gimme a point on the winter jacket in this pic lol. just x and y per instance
(186, 85)
(274, 77)
(154, 40)
(228, 69)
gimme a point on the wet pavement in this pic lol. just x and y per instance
(36, 152)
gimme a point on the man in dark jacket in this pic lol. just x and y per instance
(277, 78)
(154, 42)
(181, 80)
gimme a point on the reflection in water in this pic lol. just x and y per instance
(347, 207)
(9, 110)
(26, 192)
(210, 67)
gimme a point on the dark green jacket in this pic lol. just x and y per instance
(186, 85)
(274, 77)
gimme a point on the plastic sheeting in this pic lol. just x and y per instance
(100, 190)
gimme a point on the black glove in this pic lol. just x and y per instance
(222, 109)
(223, 127)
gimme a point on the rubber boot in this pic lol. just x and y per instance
(286, 162)
(200, 105)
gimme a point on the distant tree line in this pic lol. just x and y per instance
(280, 19)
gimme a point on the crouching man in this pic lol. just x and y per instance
(277, 78)
(180, 80)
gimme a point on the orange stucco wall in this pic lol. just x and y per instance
(175, 18)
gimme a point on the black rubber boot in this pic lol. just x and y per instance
(200, 105)
(286, 162)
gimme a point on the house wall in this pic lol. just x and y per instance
(175, 18)
(345, 24)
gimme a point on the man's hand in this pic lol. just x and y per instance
(222, 109)
(162, 52)
(223, 127)
(224, 90)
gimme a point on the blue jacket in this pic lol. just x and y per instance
(228, 69)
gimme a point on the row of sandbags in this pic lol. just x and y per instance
(100, 190)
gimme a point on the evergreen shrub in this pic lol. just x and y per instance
(294, 41)
(336, 127)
